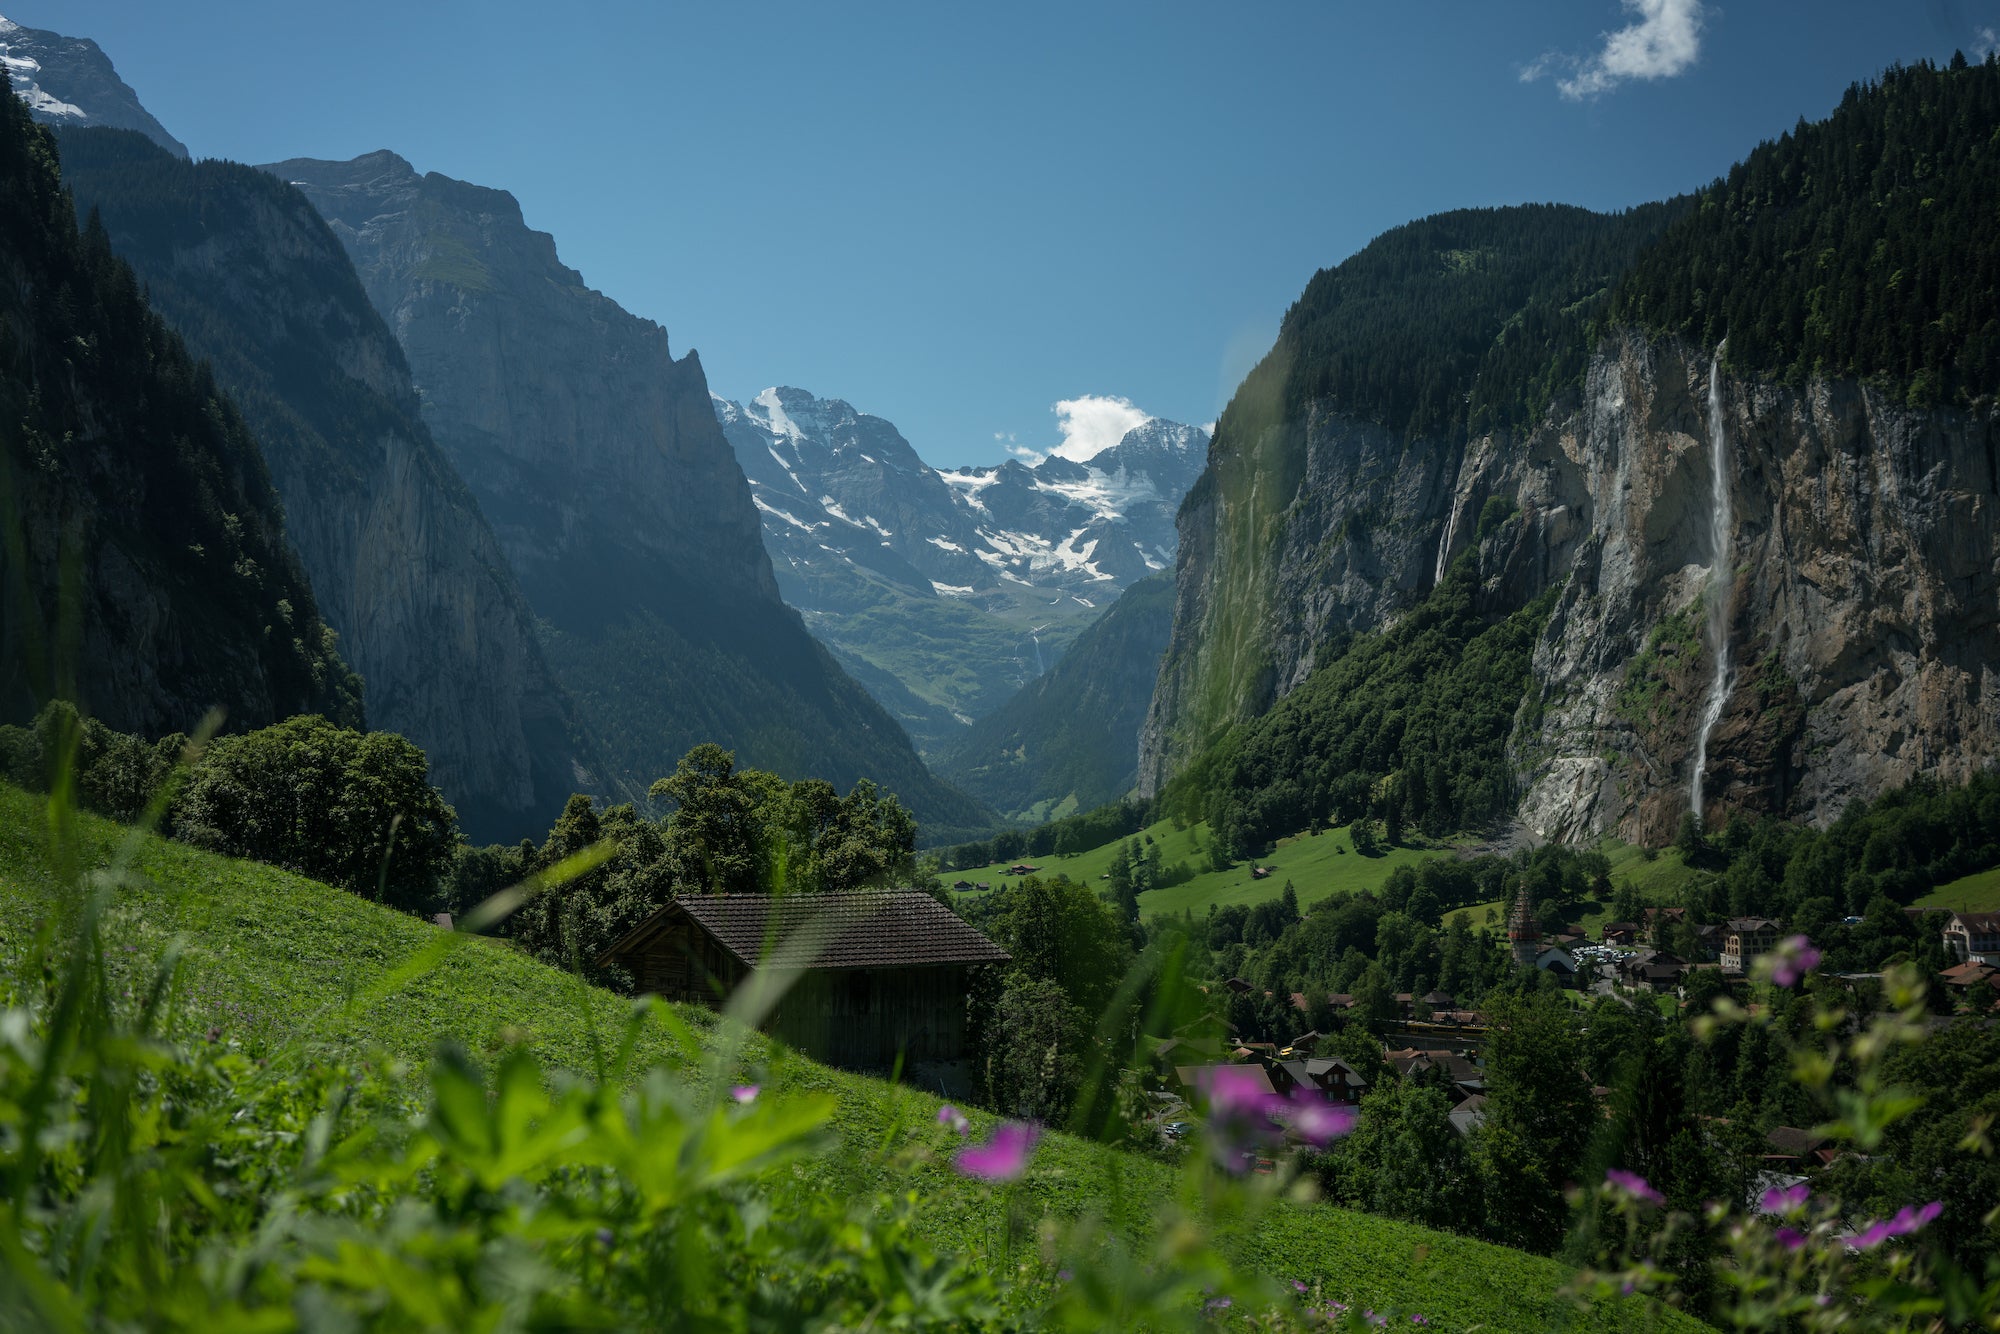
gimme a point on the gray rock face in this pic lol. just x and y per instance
(402, 563)
(946, 592)
(1864, 595)
(590, 448)
(1864, 568)
(69, 82)
(598, 460)
(1358, 539)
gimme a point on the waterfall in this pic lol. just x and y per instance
(1721, 579)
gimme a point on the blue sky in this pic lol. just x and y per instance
(957, 216)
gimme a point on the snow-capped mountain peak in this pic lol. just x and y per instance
(70, 81)
(828, 477)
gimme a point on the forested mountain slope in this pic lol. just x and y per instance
(1070, 739)
(146, 572)
(597, 458)
(403, 563)
(1561, 426)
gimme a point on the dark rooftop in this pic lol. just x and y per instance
(865, 929)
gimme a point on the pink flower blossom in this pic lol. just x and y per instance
(1318, 1121)
(744, 1092)
(949, 1115)
(1795, 958)
(1908, 1219)
(1001, 1158)
(1634, 1185)
(1791, 1238)
(1785, 1201)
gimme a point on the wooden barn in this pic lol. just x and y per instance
(880, 974)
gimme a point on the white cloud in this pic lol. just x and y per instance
(1985, 42)
(1663, 41)
(1031, 457)
(1094, 423)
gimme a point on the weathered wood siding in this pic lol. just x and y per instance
(683, 963)
(865, 1018)
(857, 1018)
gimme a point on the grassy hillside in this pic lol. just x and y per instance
(272, 958)
(1979, 892)
(1316, 865)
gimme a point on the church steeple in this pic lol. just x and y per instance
(1524, 934)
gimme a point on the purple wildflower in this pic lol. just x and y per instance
(1634, 1185)
(1908, 1219)
(1240, 1106)
(1215, 1305)
(1795, 958)
(1869, 1237)
(1298, 1286)
(1787, 1200)
(1001, 1158)
(1318, 1121)
(949, 1115)
(1791, 1238)
(744, 1092)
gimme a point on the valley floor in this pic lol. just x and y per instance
(1316, 865)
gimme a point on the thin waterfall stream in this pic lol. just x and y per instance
(1721, 580)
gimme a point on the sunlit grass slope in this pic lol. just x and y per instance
(272, 959)
(1316, 865)
(1978, 892)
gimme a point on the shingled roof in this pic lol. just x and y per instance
(901, 928)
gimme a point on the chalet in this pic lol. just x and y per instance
(1560, 964)
(1238, 985)
(1334, 1080)
(1973, 937)
(1656, 969)
(1964, 977)
(1709, 941)
(1621, 933)
(1438, 1000)
(961, 884)
(1747, 938)
(1660, 923)
(1469, 1115)
(1022, 868)
(1789, 1144)
(1260, 873)
(1196, 1080)
(875, 976)
(1460, 1072)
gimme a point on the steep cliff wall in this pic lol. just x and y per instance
(145, 572)
(1863, 595)
(598, 460)
(403, 564)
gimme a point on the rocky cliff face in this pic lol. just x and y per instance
(69, 82)
(1862, 585)
(400, 558)
(598, 460)
(146, 573)
(1863, 588)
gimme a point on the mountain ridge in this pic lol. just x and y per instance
(948, 590)
(596, 456)
(400, 557)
